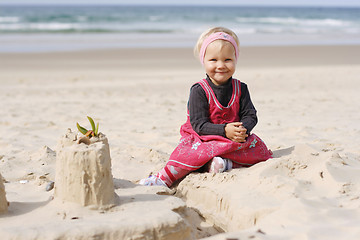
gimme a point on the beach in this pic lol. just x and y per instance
(307, 102)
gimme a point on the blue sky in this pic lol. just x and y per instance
(324, 3)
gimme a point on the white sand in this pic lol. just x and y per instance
(308, 115)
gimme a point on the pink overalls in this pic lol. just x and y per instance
(194, 150)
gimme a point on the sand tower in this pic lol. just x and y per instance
(3, 201)
(83, 171)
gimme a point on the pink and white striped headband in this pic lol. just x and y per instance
(217, 36)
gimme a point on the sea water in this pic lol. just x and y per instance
(54, 28)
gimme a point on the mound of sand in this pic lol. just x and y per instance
(3, 201)
(83, 172)
(299, 192)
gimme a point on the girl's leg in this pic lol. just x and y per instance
(219, 165)
(170, 174)
(165, 177)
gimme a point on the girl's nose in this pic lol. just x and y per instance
(220, 64)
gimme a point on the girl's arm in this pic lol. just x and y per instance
(199, 113)
(247, 111)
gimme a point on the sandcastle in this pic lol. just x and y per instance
(3, 201)
(83, 171)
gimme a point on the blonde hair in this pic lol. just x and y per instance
(210, 31)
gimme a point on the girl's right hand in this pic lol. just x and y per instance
(236, 132)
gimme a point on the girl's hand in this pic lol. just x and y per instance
(236, 132)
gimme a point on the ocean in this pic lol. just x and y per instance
(57, 28)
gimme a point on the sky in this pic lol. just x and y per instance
(321, 3)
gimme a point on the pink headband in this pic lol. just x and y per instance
(217, 36)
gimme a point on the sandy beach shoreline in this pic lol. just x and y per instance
(253, 57)
(307, 101)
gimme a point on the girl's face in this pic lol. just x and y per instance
(220, 61)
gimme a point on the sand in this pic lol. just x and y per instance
(3, 201)
(83, 170)
(307, 101)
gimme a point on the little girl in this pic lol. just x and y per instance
(216, 135)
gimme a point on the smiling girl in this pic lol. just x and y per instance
(217, 134)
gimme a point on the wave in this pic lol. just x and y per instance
(295, 21)
(192, 20)
(76, 28)
(9, 19)
(140, 28)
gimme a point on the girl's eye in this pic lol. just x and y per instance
(228, 59)
(213, 60)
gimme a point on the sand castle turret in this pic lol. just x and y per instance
(3, 201)
(83, 171)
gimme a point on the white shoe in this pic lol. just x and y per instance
(152, 181)
(219, 165)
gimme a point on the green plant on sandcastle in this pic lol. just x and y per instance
(88, 133)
